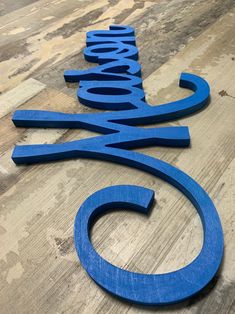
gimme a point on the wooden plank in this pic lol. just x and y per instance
(50, 45)
(48, 99)
(19, 95)
(7, 6)
(52, 34)
(41, 12)
(163, 28)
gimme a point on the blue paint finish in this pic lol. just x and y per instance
(106, 95)
(116, 85)
(107, 72)
(104, 53)
(116, 33)
(100, 146)
(149, 289)
(104, 122)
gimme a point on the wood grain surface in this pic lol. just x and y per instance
(39, 269)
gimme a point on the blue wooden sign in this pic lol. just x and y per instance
(116, 85)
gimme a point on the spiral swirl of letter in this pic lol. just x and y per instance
(116, 85)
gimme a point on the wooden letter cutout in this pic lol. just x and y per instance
(116, 84)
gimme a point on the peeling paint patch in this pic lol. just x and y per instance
(24, 68)
(65, 246)
(48, 18)
(71, 28)
(223, 93)
(15, 272)
(17, 31)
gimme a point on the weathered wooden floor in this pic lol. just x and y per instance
(39, 269)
